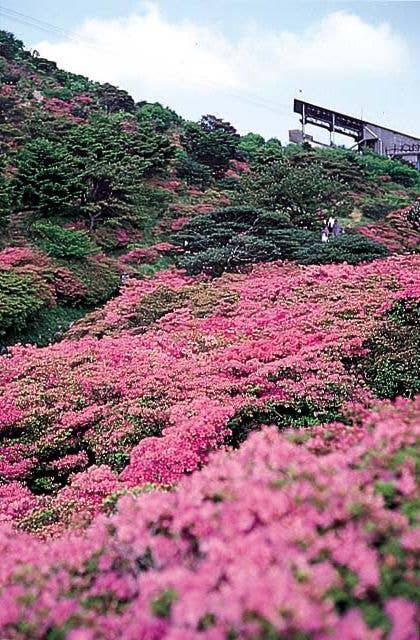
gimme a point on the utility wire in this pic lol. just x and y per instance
(250, 98)
(28, 20)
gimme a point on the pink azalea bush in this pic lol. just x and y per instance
(395, 232)
(271, 541)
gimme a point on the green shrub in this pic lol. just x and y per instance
(193, 172)
(392, 366)
(47, 326)
(99, 274)
(233, 238)
(399, 171)
(19, 301)
(250, 144)
(379, 207)
(162, 118)
(351, 248)
(234, 256)
(299, 414)
(62, 243)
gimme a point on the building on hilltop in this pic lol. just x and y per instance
(366, 135)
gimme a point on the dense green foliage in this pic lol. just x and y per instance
(397, 171)
(250, 144)
(100, 276)
(62, 243)
(393, 364)
(46, 326)
(193, 172)
(352, 248)
(232, 238)
(19, 300)
(307, 192)
(44, 180)
(93, 173)
(159, 117)
(212, 142)
(301, 414)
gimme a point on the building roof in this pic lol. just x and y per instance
(344, 119)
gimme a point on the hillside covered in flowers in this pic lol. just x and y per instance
(209, 419)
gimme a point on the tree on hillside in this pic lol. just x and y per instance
(11, 48)
(212, 142)
(250, 144)
(112, 163)
(93, 173)
(45, 181)
(277, 184)
(161, 118)
(113, 99)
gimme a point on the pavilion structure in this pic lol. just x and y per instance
(366, 135)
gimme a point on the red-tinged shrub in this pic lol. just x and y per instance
(77, 225)
(164, 247)
(141, 255)
(83, 99)
(270, 541)
(57, 106)
(240, 166)
(396, 232)
(230, 173)
(203, 208)
(123, 237)
(170, 185)
(67, 286)
(21, 256)
(129, 126)
(178, 223)
(6, 90)
(55, 280)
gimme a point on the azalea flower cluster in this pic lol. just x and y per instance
(146, 255)
(395, 232)
(74, 110)
(147, 387)
(270, 541)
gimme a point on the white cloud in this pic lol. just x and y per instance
(187, 65)
(344, 43)
(146, 48)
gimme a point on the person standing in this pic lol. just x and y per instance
(336, 230)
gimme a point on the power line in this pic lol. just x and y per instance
(28, 20)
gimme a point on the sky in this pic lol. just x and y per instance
(242, 60)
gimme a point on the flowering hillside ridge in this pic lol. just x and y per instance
(174, 363)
